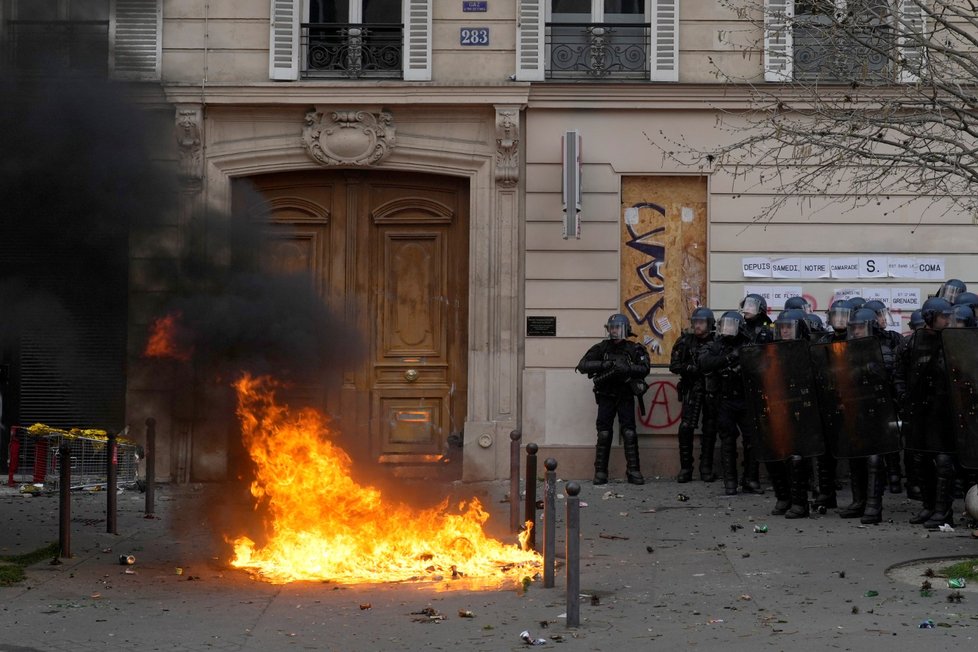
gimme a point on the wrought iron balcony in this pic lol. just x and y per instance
(597, 51)
(828, 55)
(353, 51)
(33, 46)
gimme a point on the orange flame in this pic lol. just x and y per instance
(163, 339)
(322, 525)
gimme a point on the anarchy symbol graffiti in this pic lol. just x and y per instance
(664, 409)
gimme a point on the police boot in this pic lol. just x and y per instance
(857, 480)
(944, 494)
(893, 472)
(798, 471)
(826, 484)
(911, 461)
(778, 473)
(875, 486)
(728, 464)
(685, 454)
(708, 442)
(629, 440)
(928, 493)
(751, 483)
(602, 451)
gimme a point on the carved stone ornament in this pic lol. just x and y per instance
(349, 137)
(190, 159)
(507, 146)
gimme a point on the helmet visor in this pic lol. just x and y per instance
(616, 331)
(728, 326)
(949, 292)
(786, 329)
(752, 306)
(856, 330)
(700, 326)
(839, 318)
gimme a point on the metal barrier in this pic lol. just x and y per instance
(35, 456)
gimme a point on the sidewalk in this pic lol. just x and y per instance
(666, 574)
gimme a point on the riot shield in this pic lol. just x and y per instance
(778, 389)
(927, 420)
(854, 394)
(961, 361)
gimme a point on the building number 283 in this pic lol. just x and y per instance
(474, 36)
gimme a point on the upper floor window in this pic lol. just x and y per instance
(597, 39)
(120, 38)
(868, 41)
(350, 39)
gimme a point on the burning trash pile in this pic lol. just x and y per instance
(322, 525)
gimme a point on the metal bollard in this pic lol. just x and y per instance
(514, 480)
(530, 504)
(573, 552)
(112, 464)
(150, 453)
(549, 526)
(64, 500)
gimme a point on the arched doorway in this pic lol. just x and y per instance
(388, 251)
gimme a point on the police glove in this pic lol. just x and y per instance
(607, 364)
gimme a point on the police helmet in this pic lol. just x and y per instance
(731, 324)
(791, 325)
(967, 299)
(815, 324)
(916, 320)
(753, 305)
(933, 307)
(880, 309)
(862, 323)
(856, 302)
(704, 314)
(838, 314)
(951, 288)
(962, 317)
(618, 327)
(796, 302)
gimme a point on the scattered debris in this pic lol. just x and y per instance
(842, 575)
(465, 613)
(745, 597)
(926, 624)
(612, 536)
(611, 494)
(855, 609)
(956, 583)
(714, 621)
(529, 640)
(648, 549)
(925, 588)
(760, 529)
(544, 624)
(955, 596)
(745, 555)
(682, 497)
(929, 573)
(871, 594)
(944, 527)
(595, 600)
(735, 526)
(127, 560)
(365, 605)
(178, 571)
(428, 615)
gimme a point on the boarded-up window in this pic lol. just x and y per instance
(663, 257)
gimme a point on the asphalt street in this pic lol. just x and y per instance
(663, 566)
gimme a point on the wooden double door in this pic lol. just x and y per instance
(388, 254)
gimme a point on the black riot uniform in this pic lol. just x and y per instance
(928, 427)
(618, 368)
(838, 322)
(890, 343)
(692, 393)
(720, 361)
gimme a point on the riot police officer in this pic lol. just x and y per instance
(838, 321)
(929, 429)
(720, 361)
(796, 302)
(618, 368)
(890, 344)
(950, 289)
(760, 328)
(692, 392)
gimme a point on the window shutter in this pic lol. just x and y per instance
(665, 40)
(135, 30)
(530, 33)
(417, 40)
(911, 25)
(283, 40)
(778, 55)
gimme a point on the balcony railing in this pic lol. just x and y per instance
(861, 54)
(353, 51)
(597, 51)
(42, 45)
